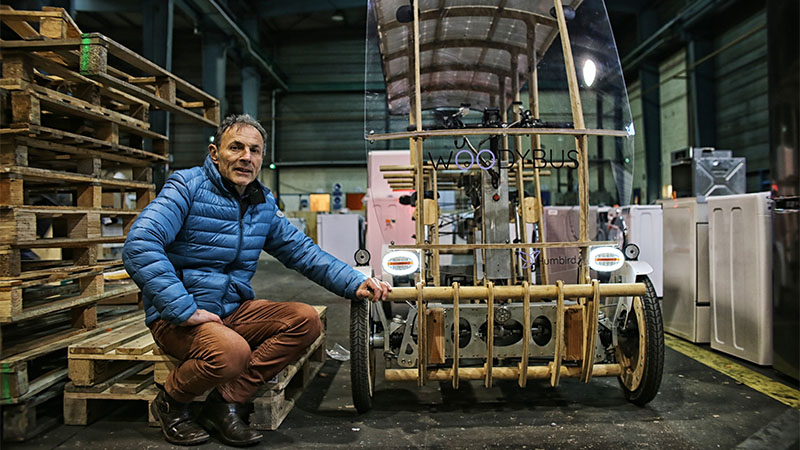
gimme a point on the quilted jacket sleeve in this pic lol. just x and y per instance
(145, 257)
(297, 251)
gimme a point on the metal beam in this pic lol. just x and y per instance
(702, 133)
(251, 77)
(651, 113)
(211, 11)
(277, 8)
(157, 26)
(215, 47)
(104, 6)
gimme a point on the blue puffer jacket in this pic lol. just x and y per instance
(189, 249)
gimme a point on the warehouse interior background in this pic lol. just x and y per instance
(696, 72)
(722, 74)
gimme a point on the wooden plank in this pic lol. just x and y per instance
(153, 99)
(67, 177)
(15, 356)
(573, 332)
(36, 386)
(69, 242)
(46, 134)
(68, 303)
(150, 68)
(435, 329)
(138, 346)
(135, 383)
(109, 341)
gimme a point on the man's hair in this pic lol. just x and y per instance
(239, 120)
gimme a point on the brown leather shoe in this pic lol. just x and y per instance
(224, 420)
(177, 425)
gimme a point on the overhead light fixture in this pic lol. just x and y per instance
(338, 16)
(589, 72)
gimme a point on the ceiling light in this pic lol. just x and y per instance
(338, 16)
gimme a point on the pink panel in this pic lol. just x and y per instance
(387, 219)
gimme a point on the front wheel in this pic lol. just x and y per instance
(362, 355)
(641, 347)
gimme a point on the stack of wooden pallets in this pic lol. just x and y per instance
(76, 152)
(126, 364)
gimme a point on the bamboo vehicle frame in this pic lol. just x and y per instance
(576, 306)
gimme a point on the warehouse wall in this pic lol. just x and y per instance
(322, 117)
(742, 99)
(639, 171)
(674, 110)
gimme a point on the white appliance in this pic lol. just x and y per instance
(340, 234)
(740, 248)
(646, 230)
(687, 301)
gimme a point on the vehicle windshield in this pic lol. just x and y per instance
(498, 65)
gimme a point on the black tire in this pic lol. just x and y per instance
(362, 356)
(654, 348)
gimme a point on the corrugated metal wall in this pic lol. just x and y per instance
(322, 117)
(742, 98)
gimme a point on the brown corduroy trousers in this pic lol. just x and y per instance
(256, 342)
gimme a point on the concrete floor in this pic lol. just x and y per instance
(697, 408)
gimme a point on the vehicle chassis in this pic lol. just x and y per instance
(574, 315)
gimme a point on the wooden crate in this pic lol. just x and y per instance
(118, 368)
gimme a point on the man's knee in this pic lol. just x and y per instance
(231, 361)
(307, 322)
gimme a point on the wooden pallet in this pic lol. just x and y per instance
(21, 376)
(119, 368)
(33, 416)
(103, 65)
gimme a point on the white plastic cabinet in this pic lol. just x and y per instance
(740, 249)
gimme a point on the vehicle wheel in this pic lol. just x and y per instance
(362, 355)
(640, 351)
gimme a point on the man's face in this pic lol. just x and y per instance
(239, 154)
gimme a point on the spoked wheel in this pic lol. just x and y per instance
(362, 355)
(640, 349)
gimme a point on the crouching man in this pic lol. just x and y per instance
(193, 251)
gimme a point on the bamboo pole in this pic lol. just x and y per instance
(456, 334)
(591, 340)
(537, 292)
(526, 333)
(489, 335)
(422, 352)
(559, 352)
(536, 143)
(501, 373)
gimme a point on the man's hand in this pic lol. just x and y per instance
(201, 316)
(373, 289)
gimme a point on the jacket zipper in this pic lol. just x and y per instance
(238, 252)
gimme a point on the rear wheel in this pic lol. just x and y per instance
(362, 355)
(640, 349)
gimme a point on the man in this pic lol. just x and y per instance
(193, 251)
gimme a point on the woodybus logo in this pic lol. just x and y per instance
(466, 160)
